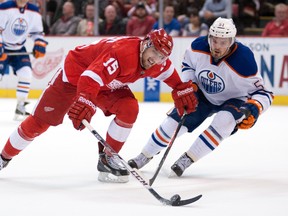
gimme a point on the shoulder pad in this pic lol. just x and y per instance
(8, 5)
(242, 60)
(32, 7)
(200, 44)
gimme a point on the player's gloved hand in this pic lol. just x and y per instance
(3, 59)
(185, 98)
(39, 48)
(82, 108)
(251, 109)
(1, 49)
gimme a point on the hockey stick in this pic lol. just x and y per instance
(168, 148)
(19, 53)
(174, 200)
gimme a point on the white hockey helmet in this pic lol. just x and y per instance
(223, 28)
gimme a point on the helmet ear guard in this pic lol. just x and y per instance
(223, 28)
(161, 41)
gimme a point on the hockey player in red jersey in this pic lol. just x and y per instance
(96, 76)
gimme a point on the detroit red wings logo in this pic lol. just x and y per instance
(43, 66)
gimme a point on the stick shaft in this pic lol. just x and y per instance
(19, 53)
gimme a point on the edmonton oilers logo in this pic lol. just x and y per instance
(211, 82)
(19, 26)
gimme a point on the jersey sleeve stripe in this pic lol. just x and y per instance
(93, 76)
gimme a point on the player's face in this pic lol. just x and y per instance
(151, 56)
(219, 46)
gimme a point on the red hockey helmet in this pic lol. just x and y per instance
(161, 41)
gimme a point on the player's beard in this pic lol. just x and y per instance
(216, 54)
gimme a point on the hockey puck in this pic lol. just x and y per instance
(175, 198)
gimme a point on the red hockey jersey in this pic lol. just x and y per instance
(112, 63)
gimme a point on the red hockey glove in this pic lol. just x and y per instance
(82, 108)
(251, 109)
(185, 98)
(39, 48)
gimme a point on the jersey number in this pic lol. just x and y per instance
(111, 65)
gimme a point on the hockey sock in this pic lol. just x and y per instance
(118, 133)
(24, 80)
(220, 128)
(161, 137)
(30, 128)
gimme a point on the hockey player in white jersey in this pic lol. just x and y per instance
(20, 20)
(229, 86)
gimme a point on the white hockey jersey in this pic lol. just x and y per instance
(16, 24)
(234, 76)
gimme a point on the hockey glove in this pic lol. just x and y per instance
(185, 98)
(39, 48)
(1, 50)
(3, 60)
(251, 109)
(82, 108)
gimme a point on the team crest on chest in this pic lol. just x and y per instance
(211, 82)
(19, 26)
(115, 84)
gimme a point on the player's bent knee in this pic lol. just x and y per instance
(33, 127)
(24, 73)
(128, 110)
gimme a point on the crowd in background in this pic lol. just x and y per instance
(180, 17)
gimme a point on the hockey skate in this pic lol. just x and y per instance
(111, 169)
(20, 112)
(3, 162)
(139, 161)
(181, 164)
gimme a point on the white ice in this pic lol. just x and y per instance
(57, 175)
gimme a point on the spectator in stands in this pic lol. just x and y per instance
(132, 11)
(279, 25)
(195, 27)
(67, 24)
(120, 8)
(212, 9)
(112, 24)
(79, 7)
(170, 23)
(249, 12)
(38, 3)
(186, 6)
(51, 8)
(86, 25)
(141, 23)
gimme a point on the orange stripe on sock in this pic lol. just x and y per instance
(211, 137)
(24, 87)
(160, 137)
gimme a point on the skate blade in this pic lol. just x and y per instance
(110, 178)
(18, 117)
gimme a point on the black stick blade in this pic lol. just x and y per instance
(186, 202)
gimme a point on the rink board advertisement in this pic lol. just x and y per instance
(270, 53)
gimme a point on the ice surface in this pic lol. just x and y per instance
(57, 175)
